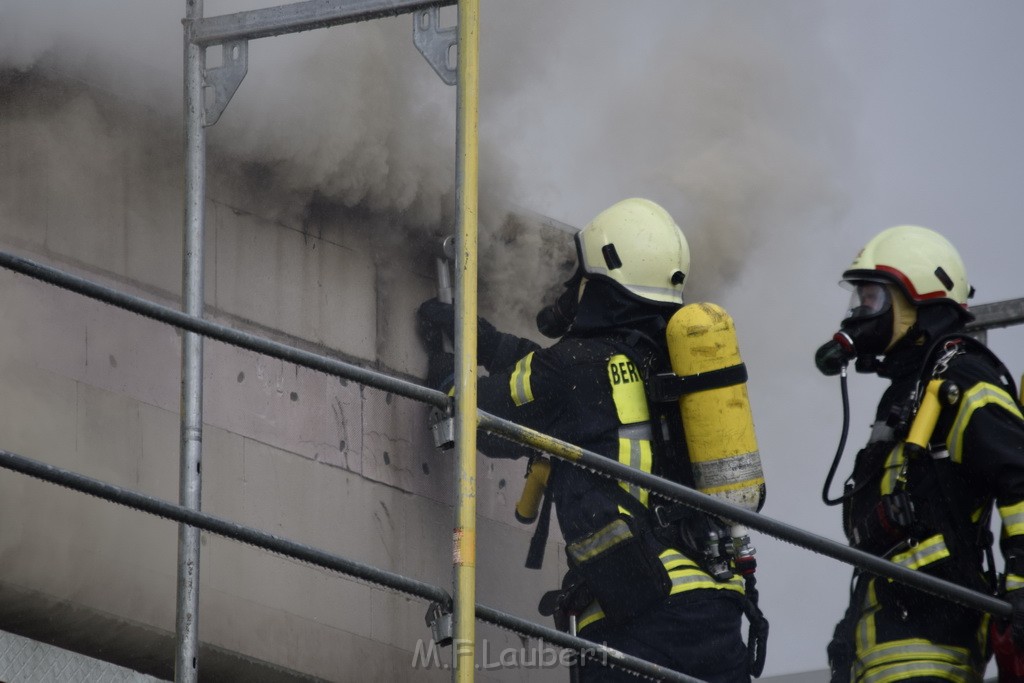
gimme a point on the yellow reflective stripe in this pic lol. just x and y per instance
(927, 551)
(865, 635)
(519, 383)
(1014, 582)
(673, 559)
(912, 649)
(898, 659)
(687, 575)
(638, 455)
(600, 541)
(893, 465)
(592, 613)
(693, 579)
(978, 396)
(898, 672)
(1013, 519)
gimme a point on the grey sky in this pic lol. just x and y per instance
(782, 136)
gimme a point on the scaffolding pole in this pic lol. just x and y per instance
(186, 664)
(466, 240)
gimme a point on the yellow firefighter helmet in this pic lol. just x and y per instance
(636, 244)
(920, 262)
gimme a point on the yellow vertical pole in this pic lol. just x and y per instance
(464, 541)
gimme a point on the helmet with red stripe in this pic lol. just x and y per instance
(920, 262)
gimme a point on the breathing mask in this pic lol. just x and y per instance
(555, 320)
(867, 331)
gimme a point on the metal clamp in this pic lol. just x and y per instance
(442, 429)
(225, 79)
(439, 619)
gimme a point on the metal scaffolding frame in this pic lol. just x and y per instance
(232, 32)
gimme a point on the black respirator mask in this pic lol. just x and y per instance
(866, 331)
(555, 320)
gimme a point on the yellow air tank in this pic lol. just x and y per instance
(718, 424)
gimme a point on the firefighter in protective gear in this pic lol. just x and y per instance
(639, 588)
(925, 506)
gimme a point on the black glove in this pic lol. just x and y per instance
(436, 319)
(831, 357)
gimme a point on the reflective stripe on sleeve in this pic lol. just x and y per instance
(978, 396)
(519, 383)
(1014, 582)
(1013, 519)
(592, 613)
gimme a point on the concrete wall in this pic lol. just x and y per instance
(92, 185)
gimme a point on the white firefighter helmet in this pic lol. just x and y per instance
(920, 262)
(636, 244)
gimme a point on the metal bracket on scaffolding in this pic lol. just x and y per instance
(439, 620)
(435, 43)
(226, 78)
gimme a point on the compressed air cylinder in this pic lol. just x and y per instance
(718, 423)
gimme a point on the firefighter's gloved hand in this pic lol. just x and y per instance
(830, 358)
(436, 319)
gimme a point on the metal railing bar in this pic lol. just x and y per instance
(300, 16)
(228, 335)
(996, 314)
(754, 520)
(593, 650)
(261, 539)
(218, 525)
(511, 430)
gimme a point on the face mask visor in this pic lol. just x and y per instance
(867, 300)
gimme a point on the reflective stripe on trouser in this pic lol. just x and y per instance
(685, 574)
(888, 649)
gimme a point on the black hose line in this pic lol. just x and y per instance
(842, 442)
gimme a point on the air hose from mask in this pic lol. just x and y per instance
(842, 443)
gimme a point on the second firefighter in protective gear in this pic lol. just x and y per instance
(639, 585)
(947, 443)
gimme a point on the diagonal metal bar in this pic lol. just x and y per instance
(315, 556)
(594, 651)
(772, 527)
(219, 526)
(299, 16)
(515, 432)
(228, 335)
